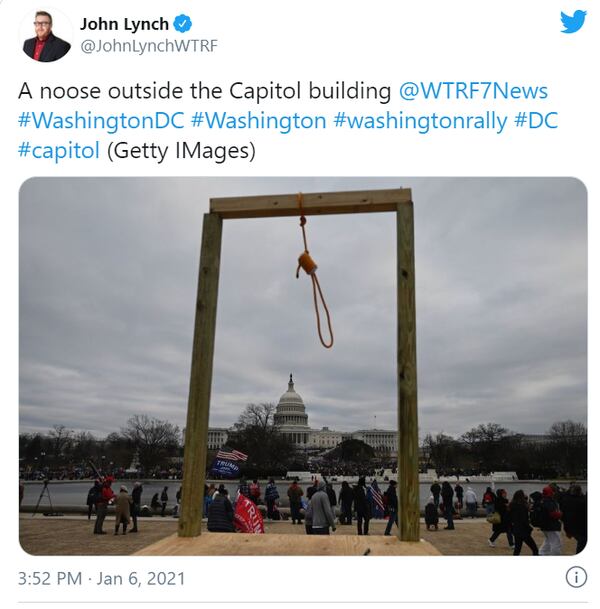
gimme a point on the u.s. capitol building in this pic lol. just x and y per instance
(291, 420)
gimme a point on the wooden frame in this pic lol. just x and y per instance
(196, 433)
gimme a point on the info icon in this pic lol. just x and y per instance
(576, 577)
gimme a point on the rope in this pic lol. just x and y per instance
(309, 266)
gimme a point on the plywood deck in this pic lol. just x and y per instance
(238, 544)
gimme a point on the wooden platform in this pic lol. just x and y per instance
(238, 544)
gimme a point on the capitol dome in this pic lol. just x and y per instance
(290, 415)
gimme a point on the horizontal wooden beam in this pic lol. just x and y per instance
(271, 206)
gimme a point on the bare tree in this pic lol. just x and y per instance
(61, 439)
(155, 440)
(256, 415)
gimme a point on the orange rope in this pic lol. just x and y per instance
(308, 264)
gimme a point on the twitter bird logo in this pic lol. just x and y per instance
(573, 24)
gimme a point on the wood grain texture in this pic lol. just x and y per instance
(240, 544)
(351, 202)
(196, 429)
(408, 427)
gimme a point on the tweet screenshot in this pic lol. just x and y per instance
(300, 303)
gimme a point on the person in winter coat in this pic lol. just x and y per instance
(550, 524)
(102, 500)
(346, 497)
(164, 499)
(323, 517)
(488, 501)
(459, 492)
(122, 512)
(220, 513)
(136, 505)
(92, 495)
(295, 495)
(504, 526)
(518, 512)
(431, 514)
(574, 509)
(392, 505)
(471, 502)
(447, 497)
(331, 494)
(362, 507)
(271, 497)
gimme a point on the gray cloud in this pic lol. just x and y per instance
(108, 272)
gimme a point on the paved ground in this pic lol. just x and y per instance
(73, 536)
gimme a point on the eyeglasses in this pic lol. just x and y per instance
(41, 23)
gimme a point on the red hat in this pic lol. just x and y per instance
(548, 491)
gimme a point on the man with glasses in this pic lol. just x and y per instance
(45, 46)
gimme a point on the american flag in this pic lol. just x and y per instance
(377, 498)
(231, 455)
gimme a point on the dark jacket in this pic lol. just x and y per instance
(54, 49)
(220, 515)
(435, 489)
(362, 507)
(447, 494)
(574, 508)
(392, 498)
(271, 492)
(518, 514)
(501, 506)
(550, 515)
(346, 495)
(136, 494)
(431, 514)
(331, 495)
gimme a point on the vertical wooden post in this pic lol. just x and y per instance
(196, 430)
(408, 429)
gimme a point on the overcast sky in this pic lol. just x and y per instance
(108, 279)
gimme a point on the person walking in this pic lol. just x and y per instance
(220, 512)
(471, 502)
(518, 511)
(435, 489)
(136, 505)
(362, 507)
(271, 497)
(295, 495)
(392, 506)
(574, 508)
(323, 517)
(346, 497)
(447, 498)
(550, 524)
(504, 526)
(164, 499)
(123, 510)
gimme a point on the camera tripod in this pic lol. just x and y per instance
(45, 491)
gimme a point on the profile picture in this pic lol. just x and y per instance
(45, 46)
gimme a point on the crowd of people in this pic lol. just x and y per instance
(551, 510)
(128, 507)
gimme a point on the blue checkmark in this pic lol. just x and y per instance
(182, 23)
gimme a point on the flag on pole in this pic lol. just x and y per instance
(376, 498)
(228, 454)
